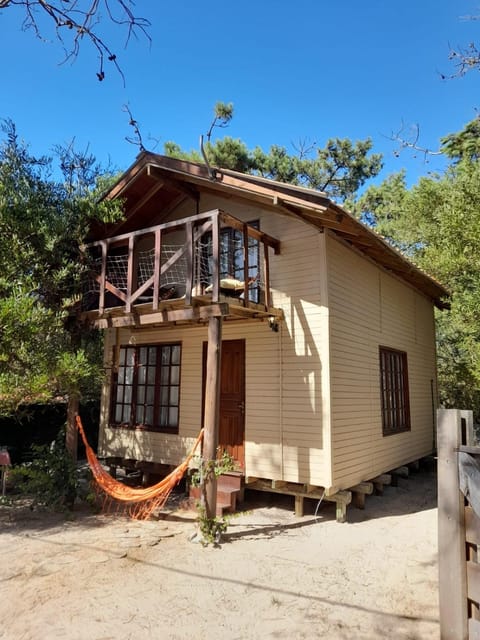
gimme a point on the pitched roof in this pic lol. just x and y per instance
(153, 183)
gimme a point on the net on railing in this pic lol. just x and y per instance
(174, 270)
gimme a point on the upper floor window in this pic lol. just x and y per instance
(394, 391)
(146, 388)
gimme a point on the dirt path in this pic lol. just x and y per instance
(275, 576)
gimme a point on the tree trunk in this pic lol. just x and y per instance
(71, 436)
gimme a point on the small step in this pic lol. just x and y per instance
(230, 479)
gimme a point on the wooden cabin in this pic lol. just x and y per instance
(327, 366)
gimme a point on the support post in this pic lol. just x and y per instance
(451, 530)
(212, 410)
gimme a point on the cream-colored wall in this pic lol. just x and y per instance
(312, 389)
(287, 411)
(369, 308)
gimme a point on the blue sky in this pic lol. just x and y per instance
(303, 70)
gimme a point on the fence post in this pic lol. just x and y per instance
(451, 530)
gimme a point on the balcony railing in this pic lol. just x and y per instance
(211, 254)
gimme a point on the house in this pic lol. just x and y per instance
(327, 374)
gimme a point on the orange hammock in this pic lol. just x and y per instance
(138, 503)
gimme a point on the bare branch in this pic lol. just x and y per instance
(465, 59)
(304, 147)
(137, 139)
(76, 22)
(408, 138)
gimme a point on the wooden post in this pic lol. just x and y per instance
(451, 530)
(212, 410)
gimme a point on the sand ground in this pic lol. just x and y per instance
(94, 577)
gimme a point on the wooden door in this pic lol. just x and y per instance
(231, 437)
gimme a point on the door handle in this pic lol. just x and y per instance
(241, 406)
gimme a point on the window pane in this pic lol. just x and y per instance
(166, 355)
(173, 417)
(130, 357)
(139, 415)
(176, 354)
(150, 395)
(149, 416)
(141, 374)
(129, 375)
(121, 375)
(175, 375)
(119, 394)
(118, 413)
(140, 395)
(152, 356)
(128, 395)
(165, 375)
(151, 375)
(174, 396)
(164, 395)
(126, 415)
(164, 416)
(143, 355)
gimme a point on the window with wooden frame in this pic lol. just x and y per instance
(146, 388)
(394, 391)
(232, 259)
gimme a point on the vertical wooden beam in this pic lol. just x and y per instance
(451, 530)
(131, 247)
(266, 271)
(212, 410)
(467, 416)
(156, 268)
(103, 277)
(189, 246)
(246, 292)
(215, 257)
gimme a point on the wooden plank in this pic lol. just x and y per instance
(467, 421)
(380, 481)
(189, 244)
(156, 269)
(472, 526)
(363, 487)
(299, 506)
(474, 451)
(171, 315)
(473, 581)
(359, 492)
(451, 530)
(473, 629)
(212, 410)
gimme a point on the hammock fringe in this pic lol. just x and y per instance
(139, 504)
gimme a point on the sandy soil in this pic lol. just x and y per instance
(274, 575)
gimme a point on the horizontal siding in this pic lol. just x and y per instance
(369, 308)
(287, 411)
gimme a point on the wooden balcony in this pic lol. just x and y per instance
(184, 270)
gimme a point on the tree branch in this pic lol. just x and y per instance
(81, 22)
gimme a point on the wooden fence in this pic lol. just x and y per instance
(458, 531)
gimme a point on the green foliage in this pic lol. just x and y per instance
(437, 223)
(464, 144)
(43, 222)
(50, 478)
(223, 464)
(340, 168)
(211, 529)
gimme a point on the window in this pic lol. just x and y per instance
(232, 259)
(146, 389)
(394, 390)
